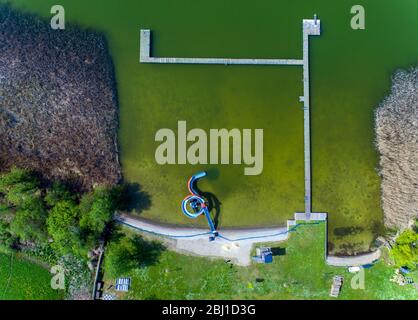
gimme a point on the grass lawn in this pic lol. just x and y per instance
(24, 280)
(300, 273)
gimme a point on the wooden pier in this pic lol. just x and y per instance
(145, 57)
(311, 27)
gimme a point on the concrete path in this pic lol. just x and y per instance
(232, 244)
(359, 260)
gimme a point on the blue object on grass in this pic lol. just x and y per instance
(123, 284)
(404, 270)
(263, 255)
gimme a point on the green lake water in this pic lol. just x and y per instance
(350, 74)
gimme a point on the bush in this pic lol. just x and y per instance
(64, 229)
(404, 251)
(97, 209)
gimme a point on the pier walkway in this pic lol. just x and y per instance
(310, 28)
(145, 57)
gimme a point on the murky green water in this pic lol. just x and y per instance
(350, 74)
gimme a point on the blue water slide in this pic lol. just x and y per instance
(193, 200)
(210, 222)
(197, 203)
(193, 180)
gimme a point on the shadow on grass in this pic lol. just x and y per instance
(278, 251)
(147, 252)
(214, 206)
(126, 253)
(134, 199)
(347, 231)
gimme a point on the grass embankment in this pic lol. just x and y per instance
(21, 279)
(299, 272)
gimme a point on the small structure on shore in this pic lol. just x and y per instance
(263, 255)
(354, 269)
(337, 283)
(123, 284)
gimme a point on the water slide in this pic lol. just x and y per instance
(195, 205)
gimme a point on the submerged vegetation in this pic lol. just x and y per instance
(397, 141)
(58, 105)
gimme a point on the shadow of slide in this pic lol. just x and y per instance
(214, 206)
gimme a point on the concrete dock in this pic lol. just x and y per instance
(310, 27)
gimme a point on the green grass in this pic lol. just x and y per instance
(299, 274)
(21, 279)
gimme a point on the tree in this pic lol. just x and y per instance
(130, 252)
(59, 192)
(31, 213)
(404, 251)
(21, 196)
(29, 221)
(97, 209)
(13, 177)
(63, 227)
(7, 240)
(18, 186)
